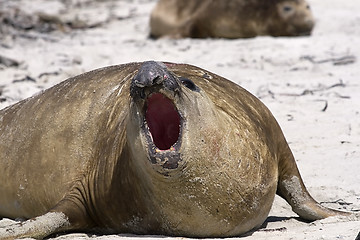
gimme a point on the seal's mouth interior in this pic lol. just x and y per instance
(163, 120)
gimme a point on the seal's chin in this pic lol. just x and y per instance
(163, 121)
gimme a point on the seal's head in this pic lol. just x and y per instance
(162, 104)
(294, 18)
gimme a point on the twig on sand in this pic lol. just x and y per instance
(2, 99)
(339, 201)
(281, 229)
(319, 89)
(326, 105)
(55, 73)
(8, 62)
(348, 59)
(25, 79)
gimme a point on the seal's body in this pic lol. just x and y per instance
(230, 18)
(146, 148)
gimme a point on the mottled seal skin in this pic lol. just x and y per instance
(145, 148)
(230, 18)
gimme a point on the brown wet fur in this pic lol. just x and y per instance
(230, 18)
(76, 149)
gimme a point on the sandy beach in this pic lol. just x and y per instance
(311, 85)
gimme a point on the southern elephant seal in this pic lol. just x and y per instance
(230, 18)
(146, 148)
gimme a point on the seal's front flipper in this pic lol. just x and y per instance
(69, 214)
(38, 227)
(292, 189)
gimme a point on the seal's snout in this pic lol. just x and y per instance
(148, 76)
(151, 74)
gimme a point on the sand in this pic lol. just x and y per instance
(311, 84)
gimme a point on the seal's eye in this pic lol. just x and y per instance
(287, 8)
(189, 84)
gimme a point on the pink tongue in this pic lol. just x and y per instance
(163, 121)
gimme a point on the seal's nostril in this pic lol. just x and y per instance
(158, 80)
(139, 84)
